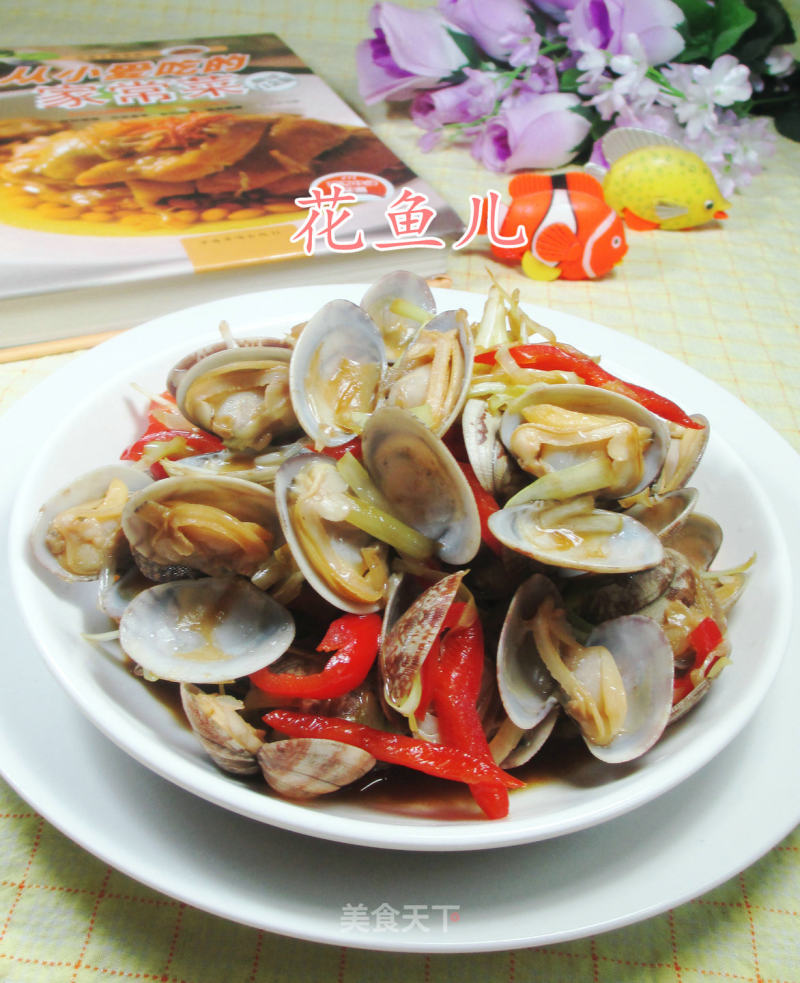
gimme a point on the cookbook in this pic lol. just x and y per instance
(139, 179)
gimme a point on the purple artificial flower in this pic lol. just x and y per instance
(411, 50)
(463, 103)
(541, 77)
(604, 24)
(532, 131)
(557, 9)
(502, 28)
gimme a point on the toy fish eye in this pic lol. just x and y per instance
(616, 242)
(708, 205)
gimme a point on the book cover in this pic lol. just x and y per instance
(136, 179)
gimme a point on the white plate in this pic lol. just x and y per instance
(706, 830)
(83, 416)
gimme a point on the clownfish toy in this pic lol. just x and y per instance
(570, 231)
(656, 183)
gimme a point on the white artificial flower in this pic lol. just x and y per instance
(593, 64)
(780, 61)
(727, 81)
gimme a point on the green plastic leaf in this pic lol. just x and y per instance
(473, 54)
(787, 123)
(699, 17)
(772, 27)
(731, 19)
(568, 81)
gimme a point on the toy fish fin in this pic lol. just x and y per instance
(635, 221)
(537, 270)
(624, 139)
(666, 209)
(595, 171)
(557, 243)
(528, 184)
(589, 185)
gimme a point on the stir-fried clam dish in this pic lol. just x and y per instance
(395, 539)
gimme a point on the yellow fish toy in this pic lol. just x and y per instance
(654, 182)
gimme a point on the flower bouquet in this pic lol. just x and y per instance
(534, 84)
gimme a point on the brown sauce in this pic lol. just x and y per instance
(403, 792)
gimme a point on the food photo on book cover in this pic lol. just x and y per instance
(661, 111)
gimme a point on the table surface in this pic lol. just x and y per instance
(723, 300)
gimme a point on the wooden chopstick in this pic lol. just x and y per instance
(58, 346)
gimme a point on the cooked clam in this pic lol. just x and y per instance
(578, 439)
(698, 538)
(77, 531)
(226, 342)
(577, 536)
(665, 514)
(305, 767)
(344, 564)
(617, 687)
(408, 642)
(261, 469)
(494, 467)
(335, 373)
(242, 396)
(433, 374)
(422, 483)
(399, 303)
(214, 525)
(230, 741)
(686, 449)
(204, 631)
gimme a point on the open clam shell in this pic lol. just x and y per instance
(261, 469)
(335, 372)
(422, 482)
(686, 449)
(494, 467)
(639, 649)
(408, 642)
(215, 525)
(645, 662)
(592, 402)
(433, 375)
(663, 514)
(334, 563)
(99, 533)
(225, 343)
(527, 690)
(241, 395)
(229, 740)
(698, 538)
(204, 631)
(545, 534)
(398, 303)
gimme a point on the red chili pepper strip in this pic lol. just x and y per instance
(197, 441)
(187, 443)
(353, 446)
(354, 640)
(703, 639)
(486, 507)
(564, 358)
(428, 674)
(396, 749)
(460, 667)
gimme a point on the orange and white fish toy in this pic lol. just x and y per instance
(571, 232)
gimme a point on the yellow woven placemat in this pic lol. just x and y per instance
(723, 300)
